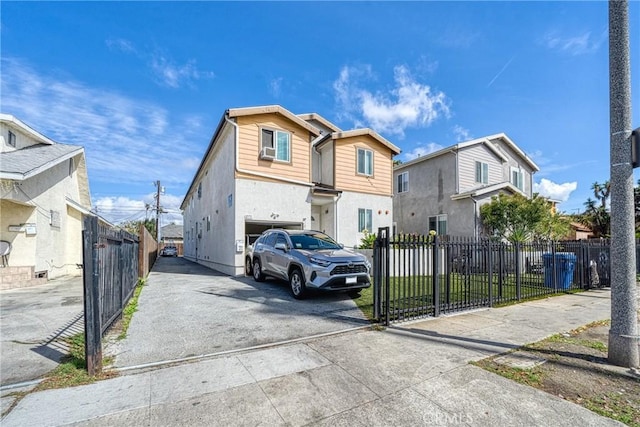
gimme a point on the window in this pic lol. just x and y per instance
(55, 219)
(517, 178)
(199, 190)
(482, 172)
(12, 139)
(365, 220)
(278, 140)
(71, 167)
(208, 223)
(365, 162)
(403, 182)
(438, 223)
(281, 239)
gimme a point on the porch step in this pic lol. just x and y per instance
(19, 277)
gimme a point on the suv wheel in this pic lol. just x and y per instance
(296, 284)
(257, 271)
(248, 268)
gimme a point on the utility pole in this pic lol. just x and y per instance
(623, 335)
(158, 211)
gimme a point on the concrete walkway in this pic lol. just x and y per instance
(414, 374)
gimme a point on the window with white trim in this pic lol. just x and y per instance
(365, 162)
(365, 220)
(438, 223)
(517, 178)
(278, 140)
(403, 182)
(482, 172)
(12, 139)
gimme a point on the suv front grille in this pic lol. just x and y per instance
(346, 269)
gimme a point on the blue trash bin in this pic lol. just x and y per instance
(565, 264)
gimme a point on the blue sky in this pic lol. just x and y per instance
(142, 85)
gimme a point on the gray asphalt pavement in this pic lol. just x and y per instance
(413, 374)
(188, 310)
(32, 320)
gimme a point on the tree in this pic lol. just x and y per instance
(519, 219)
(133, 227)
(596, 216)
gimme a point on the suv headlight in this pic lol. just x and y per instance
(319, 261)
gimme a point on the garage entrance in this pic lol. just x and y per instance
(254, 228)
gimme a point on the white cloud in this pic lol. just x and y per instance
(461, 134)
(275, 87)
(574, 45)
(126, 140)
(173, 75)
(121, 44)
(408, 104)
(554, 191)
(422, 150)
(122, 209)
(165, 70)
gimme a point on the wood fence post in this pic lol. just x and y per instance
(92, 322)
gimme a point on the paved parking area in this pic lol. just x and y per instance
(188, 310)
(31, 322)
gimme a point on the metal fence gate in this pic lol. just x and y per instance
(110, 270)
(419, 276)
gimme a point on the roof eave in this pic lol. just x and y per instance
(8, 118)
(273, 109)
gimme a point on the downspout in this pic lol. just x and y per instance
(475, 218)
(263, 175)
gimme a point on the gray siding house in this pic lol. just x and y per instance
(443, 191)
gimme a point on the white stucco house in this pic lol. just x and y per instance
(443, 191)
(44, 196)
(267, 167)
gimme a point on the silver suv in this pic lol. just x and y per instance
(308, 260)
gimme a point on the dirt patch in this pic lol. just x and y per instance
(574, 366)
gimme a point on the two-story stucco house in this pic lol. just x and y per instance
(44, 195)
(266, 167)
(443, 191)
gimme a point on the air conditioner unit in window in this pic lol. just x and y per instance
(268, 153)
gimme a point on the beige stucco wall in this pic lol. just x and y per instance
(54, 249)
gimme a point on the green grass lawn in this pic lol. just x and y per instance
(413, 295)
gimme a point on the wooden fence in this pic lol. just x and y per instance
(110, 258)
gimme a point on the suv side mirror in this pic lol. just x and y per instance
(281, 246)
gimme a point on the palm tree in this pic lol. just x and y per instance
(596, 216)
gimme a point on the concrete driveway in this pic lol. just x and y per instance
(188, 310)
(32, 321)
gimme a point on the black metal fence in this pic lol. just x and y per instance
(110, 258)
(418, 276)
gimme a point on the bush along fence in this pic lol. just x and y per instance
(417, 276)
(110, 277)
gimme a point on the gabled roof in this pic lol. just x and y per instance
(484, 140)
(481, 191)
(365, 132)
(22, 164)
(317, 117)
(8, 118)
(270, 109)
(171, 231)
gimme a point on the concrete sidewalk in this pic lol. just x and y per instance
(416, 374)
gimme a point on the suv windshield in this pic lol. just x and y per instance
(313, 241)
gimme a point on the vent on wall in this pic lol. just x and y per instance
(268, 153)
